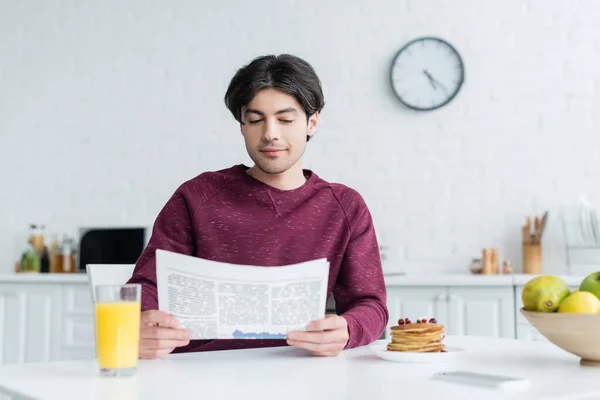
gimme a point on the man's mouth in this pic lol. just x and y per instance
(271, 152)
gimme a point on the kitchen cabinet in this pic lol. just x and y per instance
(77, 325)
(482, 311)
(28, 328)
(42, 322)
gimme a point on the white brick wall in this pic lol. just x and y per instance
(105, 107)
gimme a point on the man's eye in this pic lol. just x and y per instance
(286, 121)
(254, 122)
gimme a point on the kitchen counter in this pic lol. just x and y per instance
(448, 280)
(435, 279)
(44, 278)
(571, 280)
(470, 280)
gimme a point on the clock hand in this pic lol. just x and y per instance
(432, 80)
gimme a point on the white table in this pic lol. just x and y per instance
(288, 373)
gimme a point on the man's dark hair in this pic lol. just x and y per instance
(285, 72)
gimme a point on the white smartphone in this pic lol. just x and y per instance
(502, 382)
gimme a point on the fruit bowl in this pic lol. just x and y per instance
(577, 334)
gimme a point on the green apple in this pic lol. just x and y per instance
(591, 283)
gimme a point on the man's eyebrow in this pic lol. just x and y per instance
(287, 110)
(252, 111)
(284, 111)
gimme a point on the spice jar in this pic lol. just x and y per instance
(507, 267)
(475, 266)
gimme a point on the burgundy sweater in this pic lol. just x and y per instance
(229, 216)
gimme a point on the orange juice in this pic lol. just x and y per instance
(117, 334)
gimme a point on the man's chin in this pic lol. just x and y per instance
(272, 168)
(272, 171)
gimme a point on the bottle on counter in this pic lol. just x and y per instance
(54, 266)
(65, 256)
(30, 260)
(44, 253)
(36, 237)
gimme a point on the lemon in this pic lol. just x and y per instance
(580, 303)
(544, 293)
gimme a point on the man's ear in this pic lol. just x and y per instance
(313, 122)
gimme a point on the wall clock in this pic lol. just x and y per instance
(427, 73)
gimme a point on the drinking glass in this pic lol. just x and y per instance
(118, 328)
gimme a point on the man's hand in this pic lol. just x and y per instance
(159, 335)
(325, 337)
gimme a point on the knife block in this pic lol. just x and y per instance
(532, 258)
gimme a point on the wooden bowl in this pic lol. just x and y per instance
(577, 334)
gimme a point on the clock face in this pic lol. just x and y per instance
(427, 73)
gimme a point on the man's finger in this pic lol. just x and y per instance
(337, 336)
(159, 344)
(330, 322)
(158, 317)
(152, 354)
(158, 332)
(317, 347)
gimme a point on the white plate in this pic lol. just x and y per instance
(380, 349)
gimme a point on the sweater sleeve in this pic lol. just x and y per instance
(360, 292)
(172, 231)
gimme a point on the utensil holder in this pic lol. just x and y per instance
(532, 258)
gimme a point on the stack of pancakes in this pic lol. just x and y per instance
(422, 337)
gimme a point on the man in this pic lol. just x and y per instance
(274, 213)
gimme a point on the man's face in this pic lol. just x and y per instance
(275, 129)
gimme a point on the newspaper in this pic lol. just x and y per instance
(216, 300)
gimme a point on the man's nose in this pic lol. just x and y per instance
(271, 131)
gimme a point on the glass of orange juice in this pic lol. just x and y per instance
(118, 328)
